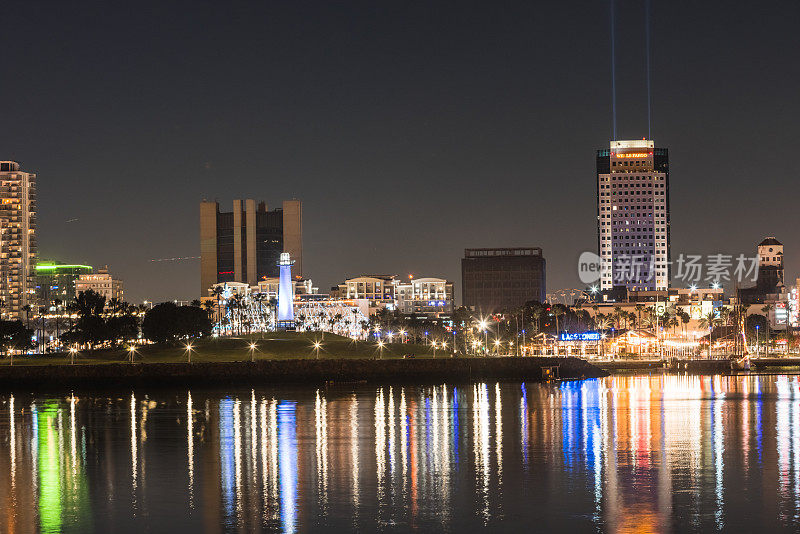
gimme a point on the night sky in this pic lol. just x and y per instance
(410, 130)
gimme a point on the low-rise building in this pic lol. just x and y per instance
(100, 282)
(431, 298)
(428, 298)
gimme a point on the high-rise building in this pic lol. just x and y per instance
(55, 281)
(498, 279)
(17, 239)
(633, 224)
(244, 245)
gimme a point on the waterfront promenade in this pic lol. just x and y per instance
(282, 357)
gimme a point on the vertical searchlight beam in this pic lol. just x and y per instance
(285, 294)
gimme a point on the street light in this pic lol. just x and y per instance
(252, 352)
(317, 346)
(497, 347)
(131, 352)
(758, 353)
(189, 352)
(483, 326)
(434, 349)
(72, 352)
(380, 349)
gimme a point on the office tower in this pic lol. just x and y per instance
(633, 224)
(55, 281)
(244, 245)
(17, 239)
(499, 279)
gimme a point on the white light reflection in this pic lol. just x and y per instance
(480, 445)
(237, 457)
(392, 442)
(73, 445)
(498, 433)
(718, 450)
(380, 444)
(190, 446)
(134, 450)
(354, 453)
(264, 460)
(403, 437)
(321, 419)
(252, 459)
(12, 435)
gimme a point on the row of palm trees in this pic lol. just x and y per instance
(239, 314)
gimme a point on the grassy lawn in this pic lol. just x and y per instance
(275, 345)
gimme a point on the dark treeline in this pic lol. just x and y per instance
(91, 322)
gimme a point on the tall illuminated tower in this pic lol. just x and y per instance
(285, 318)
(17, 239)
(633, 224)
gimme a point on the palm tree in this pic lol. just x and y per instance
(618, 314)
(707, 321)
(113, 305)
(217, 294)
(209, 306)
(766, 309)
(27, 309)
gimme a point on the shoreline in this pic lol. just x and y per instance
(297, 371)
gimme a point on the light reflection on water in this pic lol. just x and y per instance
(653, 453)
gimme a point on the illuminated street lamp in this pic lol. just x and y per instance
(72, 352)
(317, 346)
(189, 352)
(497, 347)
(252, 352)
(380, 349)
(434, 348)
(131, 352)
(483, 324)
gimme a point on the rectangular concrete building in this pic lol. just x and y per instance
(499, 279)
(244, 245)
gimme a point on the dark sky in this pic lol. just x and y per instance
(410, 130)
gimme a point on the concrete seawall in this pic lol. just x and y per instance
(295, 371)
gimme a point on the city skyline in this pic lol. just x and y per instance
(468, 131)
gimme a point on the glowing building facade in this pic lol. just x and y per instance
(56, 281)
(633, 222)
(285, 291)
(17, 239)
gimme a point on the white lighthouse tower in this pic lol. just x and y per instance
(285, 320)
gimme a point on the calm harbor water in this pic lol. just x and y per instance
(660, 453)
